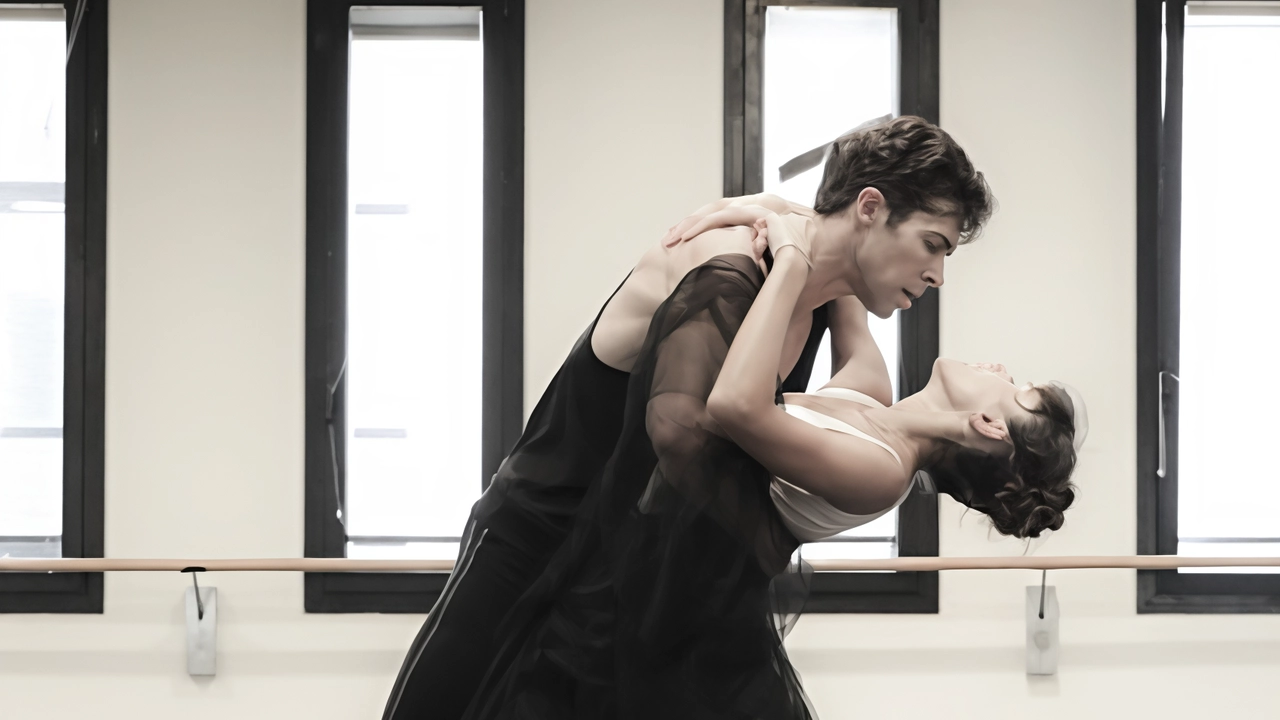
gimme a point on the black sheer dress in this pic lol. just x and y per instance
(619, 564)
(666, 599)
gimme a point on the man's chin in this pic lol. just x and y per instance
(884, 311)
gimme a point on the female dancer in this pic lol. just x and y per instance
(1007, 448)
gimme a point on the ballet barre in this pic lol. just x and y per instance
(901, 564)
(1041, 600)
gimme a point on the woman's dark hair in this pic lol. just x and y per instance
(916, 165)
(1027, 493)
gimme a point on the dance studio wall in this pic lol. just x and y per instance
(204, 446)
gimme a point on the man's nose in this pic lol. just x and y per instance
(933, 275)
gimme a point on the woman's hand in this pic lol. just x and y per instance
(782, 231)
(729, 212)
(675, 234)
(743, 216)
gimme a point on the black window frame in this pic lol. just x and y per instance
(84, 338)
(1159, 208)
(328, 52)
(838, 592)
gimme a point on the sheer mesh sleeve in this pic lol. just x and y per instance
(663, 602)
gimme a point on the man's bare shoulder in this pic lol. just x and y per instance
(624, 321)
(661, 269)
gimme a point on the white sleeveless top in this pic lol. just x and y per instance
(806, 515)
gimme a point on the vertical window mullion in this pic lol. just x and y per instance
(1169, 264)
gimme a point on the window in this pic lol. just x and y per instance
(808, 50)
(780, 65)
(1204, 322)
(414, 284)
(52, 298)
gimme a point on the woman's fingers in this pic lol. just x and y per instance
(783, 230)
(676, 234)
(758, 245)
(729, 217)
(730, 212)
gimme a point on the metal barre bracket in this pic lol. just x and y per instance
(1042, 628)
(202, 626)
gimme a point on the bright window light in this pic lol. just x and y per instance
(414, 280)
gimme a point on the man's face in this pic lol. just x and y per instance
(899, 263)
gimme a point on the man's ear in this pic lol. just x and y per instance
(989, 427)
(868, 202)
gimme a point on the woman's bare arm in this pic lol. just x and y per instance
(855, 357)
(850, 473)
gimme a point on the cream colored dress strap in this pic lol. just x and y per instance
(808, 516)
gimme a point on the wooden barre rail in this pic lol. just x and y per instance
(1064, 562)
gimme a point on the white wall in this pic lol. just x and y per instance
(623, 115)
(205, 356)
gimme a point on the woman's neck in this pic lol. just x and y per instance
(924, 424)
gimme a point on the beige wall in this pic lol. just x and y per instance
(623, 115)
(205, 357)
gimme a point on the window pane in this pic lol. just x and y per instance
(1225, 486)
(32, 250)
(414, 280)
(808, 100)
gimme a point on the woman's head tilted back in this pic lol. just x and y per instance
(1022, 482)
(1037, 487)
